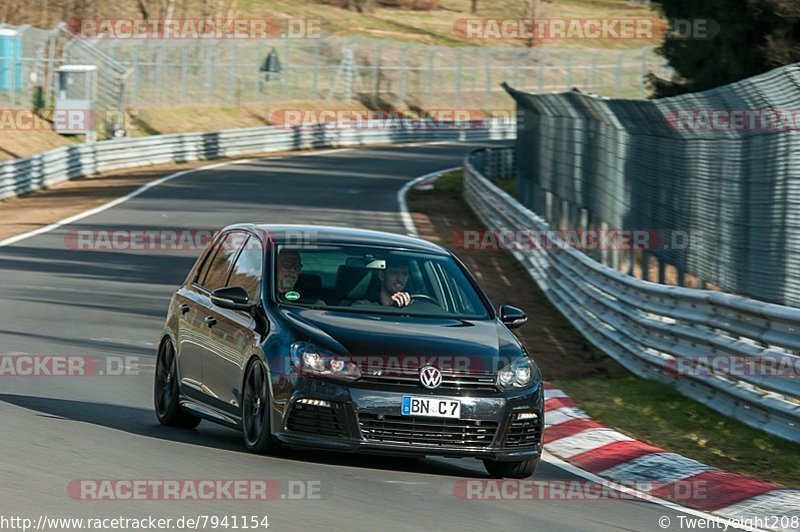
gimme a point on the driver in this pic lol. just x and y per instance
(393, 283)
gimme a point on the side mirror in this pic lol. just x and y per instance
(234, 297)
(512, 317)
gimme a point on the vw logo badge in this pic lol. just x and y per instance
(430, 377)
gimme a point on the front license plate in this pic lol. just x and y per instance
(431, 406)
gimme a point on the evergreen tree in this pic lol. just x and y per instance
(747, 37)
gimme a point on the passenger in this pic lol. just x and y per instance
(289, 267)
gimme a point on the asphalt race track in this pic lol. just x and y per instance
(56, 300)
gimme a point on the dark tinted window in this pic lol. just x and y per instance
(350, 277)
(207, 258)
(247, 270)
(220, 265)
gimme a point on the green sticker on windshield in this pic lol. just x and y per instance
(292, 296)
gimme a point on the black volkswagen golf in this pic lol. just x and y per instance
(348, 340)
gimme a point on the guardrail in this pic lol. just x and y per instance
(25, 175)
(655, 330)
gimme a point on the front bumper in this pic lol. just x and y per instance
(357, 419)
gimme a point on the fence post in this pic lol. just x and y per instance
(284, 77)
(429, 78)
(643, 73)
(487, 61)
(209, 73)
(184, 73)
(315, 71)
(458, 74)
(233, 83)
(569, 72)
(160, 74)
(377, 71)
(136, 70)
(348, 73)
(403, 73)
(541, 75)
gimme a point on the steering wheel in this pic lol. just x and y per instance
(426, 298)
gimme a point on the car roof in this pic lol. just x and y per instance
(321, 234)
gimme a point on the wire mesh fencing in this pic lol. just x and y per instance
(380, 74)
(182, 72)
(709, 179)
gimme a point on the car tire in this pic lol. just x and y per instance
(522, 469)
(166, 391)
(256, 410)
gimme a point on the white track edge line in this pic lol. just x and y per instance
(402, 203)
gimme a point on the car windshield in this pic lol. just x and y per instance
(375, 280)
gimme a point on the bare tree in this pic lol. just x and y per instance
(162, 9)
(530, 10)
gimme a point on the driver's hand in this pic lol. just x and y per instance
(401, 299)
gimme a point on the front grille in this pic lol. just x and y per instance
(318, 420)
(427, 431)
(449, 382)
(524, 432)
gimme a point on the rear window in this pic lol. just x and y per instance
(214, 274)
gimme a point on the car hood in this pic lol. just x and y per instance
(474, 345)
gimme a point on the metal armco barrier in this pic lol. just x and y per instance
(649, 328)
(25, 175)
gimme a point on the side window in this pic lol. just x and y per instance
(220, 265)
(247, 270)
(463, 305)
(207, 257)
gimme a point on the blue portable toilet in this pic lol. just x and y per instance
(10, 60)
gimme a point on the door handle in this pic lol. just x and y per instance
(210, 321)
(184, 308)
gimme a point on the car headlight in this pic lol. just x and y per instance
(309, 358)
(518, 374)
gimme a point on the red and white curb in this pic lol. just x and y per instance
(573, 436)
